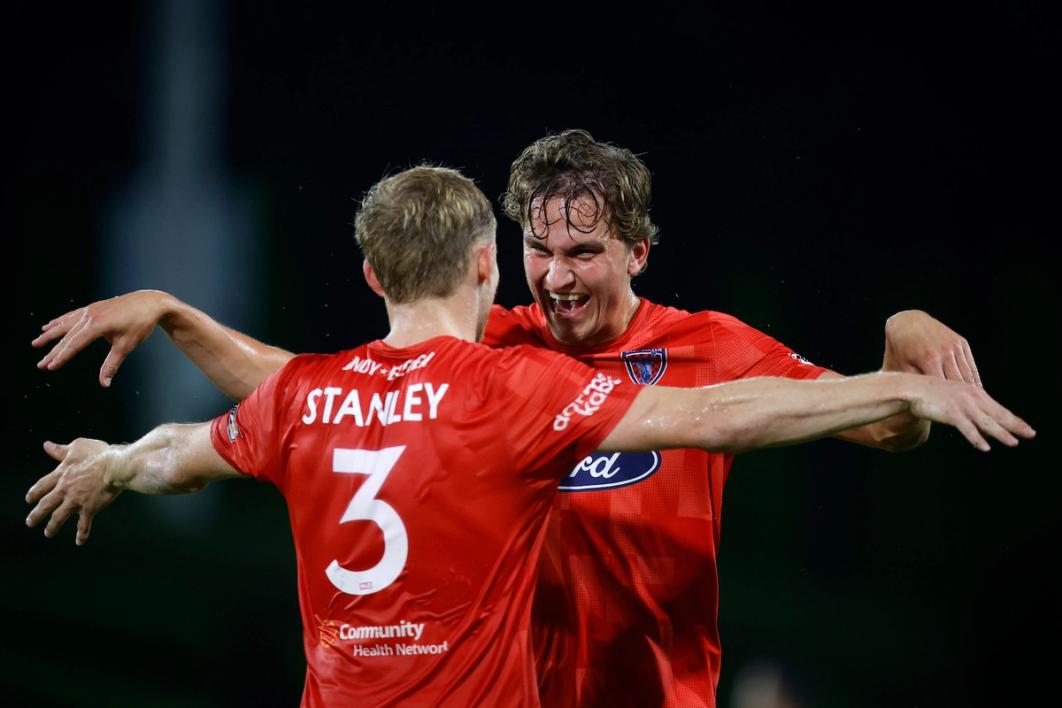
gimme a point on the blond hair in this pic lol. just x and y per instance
(417, 229)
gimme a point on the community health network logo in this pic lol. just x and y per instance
(645, 366)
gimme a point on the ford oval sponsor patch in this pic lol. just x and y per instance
(608, 470)
(645, 366)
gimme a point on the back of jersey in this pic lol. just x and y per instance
(418, 481)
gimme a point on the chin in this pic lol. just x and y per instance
(565, 335)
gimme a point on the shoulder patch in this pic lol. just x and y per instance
(645, 366)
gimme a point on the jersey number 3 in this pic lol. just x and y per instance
(377, 464)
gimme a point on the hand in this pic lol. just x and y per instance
(124, 321)
(970, 409)
(77, 485)
(915, 342)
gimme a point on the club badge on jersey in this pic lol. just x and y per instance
(611, 470)
(645, 366)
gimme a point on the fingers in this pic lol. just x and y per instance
(55, 450)
(59, 517)
(956, 364)
(58, 327)
(84, 527)
(1009, 421)
(995, 421)
(952, 372)
(114, 359)
(990, 426)
(79, 336)
(43, 485)
(45, 507)
(971, 433)
(967, 356)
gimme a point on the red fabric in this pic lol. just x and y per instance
(626, 605)
(469, 458)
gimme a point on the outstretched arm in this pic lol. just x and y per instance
(915, 342)
(764, 412)
(171, 459)
(234, 362)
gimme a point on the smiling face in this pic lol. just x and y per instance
(579, 272)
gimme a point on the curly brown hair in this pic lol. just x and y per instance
(417, 229)
(572, 164)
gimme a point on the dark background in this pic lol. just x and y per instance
(815, 171)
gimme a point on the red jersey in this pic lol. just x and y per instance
(418, 482)
(626, 603)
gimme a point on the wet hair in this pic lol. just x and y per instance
(417, 229)
(571, 165)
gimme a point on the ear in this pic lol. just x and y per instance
(637, 257)
(485, 262)
(371, 279)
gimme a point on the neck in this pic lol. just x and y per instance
(415, 322)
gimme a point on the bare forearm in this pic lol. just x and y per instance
(768, 412)
(754, 413)
(171, 459)
(896, 433)
(234, 362)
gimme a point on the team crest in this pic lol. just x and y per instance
(645, 366)
(233, 429)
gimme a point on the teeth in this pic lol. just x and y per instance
(571, 297)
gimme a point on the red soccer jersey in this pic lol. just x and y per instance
(418, 482)
(626, 603)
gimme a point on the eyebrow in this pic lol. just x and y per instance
(597, 246)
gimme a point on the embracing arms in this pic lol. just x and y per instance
(917, 343)
(235, 362)
(763, 412)
(171, 459)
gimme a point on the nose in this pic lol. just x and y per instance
(559, 275)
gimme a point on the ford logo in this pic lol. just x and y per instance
(608, 470)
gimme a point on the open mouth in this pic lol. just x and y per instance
(567, 304)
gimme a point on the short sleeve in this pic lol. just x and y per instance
(251, 435)
(744, 352)
(553, 407)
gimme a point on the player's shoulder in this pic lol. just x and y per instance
(677, 326)
(313, 361)
(501, 359)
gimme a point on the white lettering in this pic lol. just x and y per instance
(588, 402)
(378, 408)
(384, 408)
(382, 631)
(392, 403)
(351, 406)
(331, 392)
(601, 467)
(408, 649)
(434, 397)
(311, 403)
(412, 399)
(362, 366)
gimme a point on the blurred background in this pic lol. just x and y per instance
(815, 171)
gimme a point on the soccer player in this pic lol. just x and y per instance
(626, 605)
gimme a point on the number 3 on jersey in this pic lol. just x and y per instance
(377, 464)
